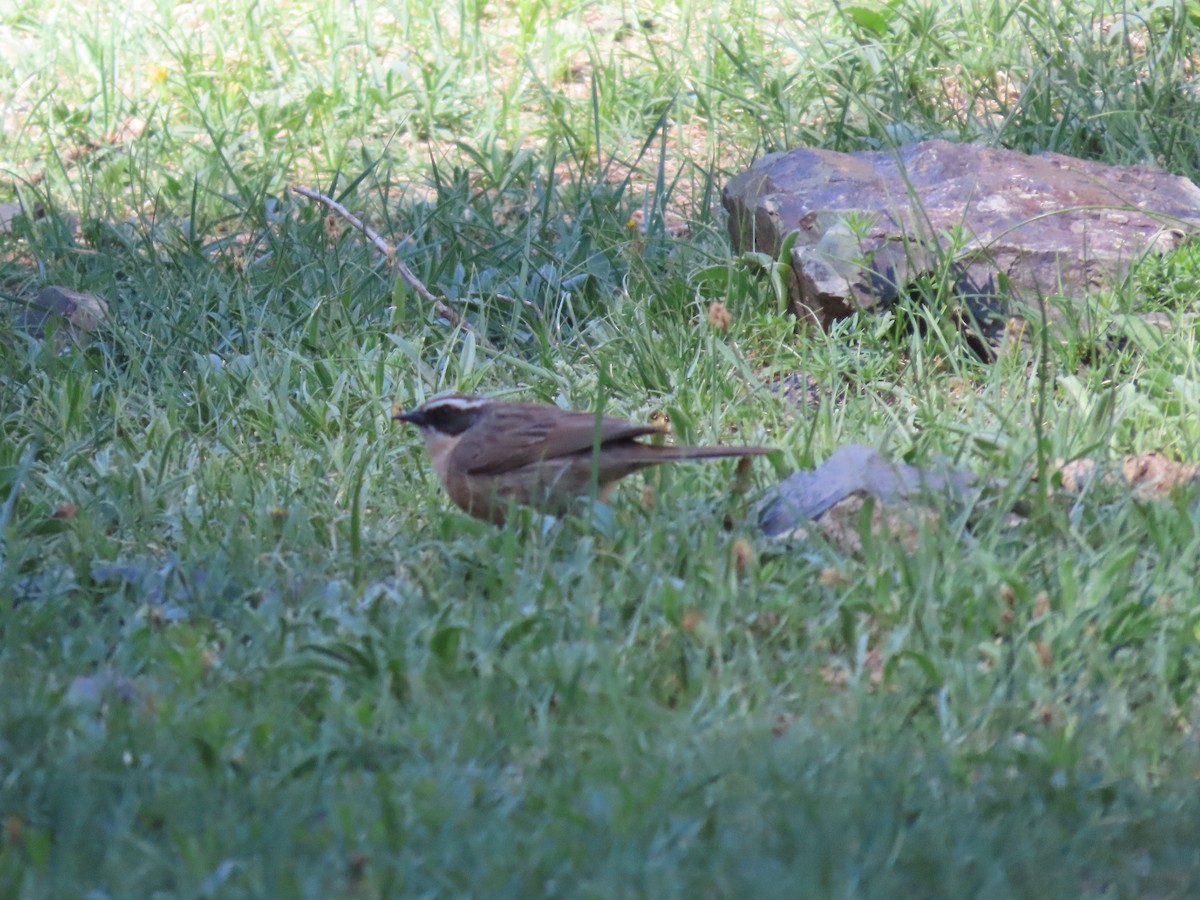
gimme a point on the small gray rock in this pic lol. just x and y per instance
(807, 494)
(78, 315)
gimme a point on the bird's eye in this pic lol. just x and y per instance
(450, 418)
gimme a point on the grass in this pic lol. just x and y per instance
(248, 648)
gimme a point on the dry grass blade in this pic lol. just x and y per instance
(439, 306)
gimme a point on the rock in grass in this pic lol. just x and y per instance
(1006, 227)
(74, 315)
(854, 472)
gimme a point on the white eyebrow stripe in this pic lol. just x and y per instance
(456, 402)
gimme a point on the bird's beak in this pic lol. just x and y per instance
(415, 416)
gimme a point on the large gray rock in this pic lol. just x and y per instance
(1010, 227)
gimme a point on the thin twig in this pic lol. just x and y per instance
(439, 306)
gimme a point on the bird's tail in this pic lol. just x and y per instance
(716, 452)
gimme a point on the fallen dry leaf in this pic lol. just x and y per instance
(1150, 476)
(743, 555)
(831, 577)
(904, 524)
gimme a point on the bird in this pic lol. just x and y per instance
(489, 454)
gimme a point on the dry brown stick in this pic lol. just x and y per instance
(439, 306)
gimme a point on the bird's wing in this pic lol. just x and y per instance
(517, 435)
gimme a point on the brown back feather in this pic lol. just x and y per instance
(518, 434)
